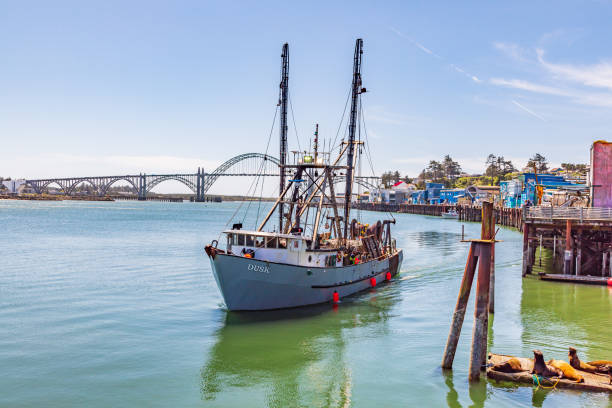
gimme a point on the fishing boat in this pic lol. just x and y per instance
(316, 253)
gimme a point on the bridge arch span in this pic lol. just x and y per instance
(223, 169)
(104, 188)
(185, 179)
(71, 188)
(49, 182)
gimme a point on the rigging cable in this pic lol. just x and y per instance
(342, 118)
(368, 153)
(262, 166)
(293, 117)
(253, 182)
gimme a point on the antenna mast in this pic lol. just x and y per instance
(356, 90)
(284, 93)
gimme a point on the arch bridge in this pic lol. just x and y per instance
(248, 164)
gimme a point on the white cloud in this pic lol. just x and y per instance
(579, 97)
(511, 50)
(528, 86)
(597, 75)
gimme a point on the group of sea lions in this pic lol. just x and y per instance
(558, 368)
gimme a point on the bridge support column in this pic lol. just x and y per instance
(200, 186)
(142, 187)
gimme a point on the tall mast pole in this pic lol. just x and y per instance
(356, 90)
(284, 93)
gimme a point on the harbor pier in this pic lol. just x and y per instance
(508, 217)
(568, 244)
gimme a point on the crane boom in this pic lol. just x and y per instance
(356, 90)
(284, 94)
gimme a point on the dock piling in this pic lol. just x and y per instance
(567, 260)
(459, 315)
(481, 254)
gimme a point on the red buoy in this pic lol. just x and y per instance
(610, 282)
(336, 297)
(373, 282)
(388, 276)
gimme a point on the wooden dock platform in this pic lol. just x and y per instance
(592, 382)
(590, 280)
(509, 217)
(577, 241)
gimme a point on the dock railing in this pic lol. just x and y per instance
(572, 213)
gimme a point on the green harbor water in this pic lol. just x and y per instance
(114, 304)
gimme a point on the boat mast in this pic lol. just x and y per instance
(356, 90)
(284, 92)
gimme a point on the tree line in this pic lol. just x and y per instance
(449, 172)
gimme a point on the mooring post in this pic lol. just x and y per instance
(526, 249)
(567, 258)
(492, 278)
(554, 250)
(483, 288)
(458, 316)
(481, 314)
(579, 251)
(540, 260)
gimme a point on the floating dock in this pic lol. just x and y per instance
(589, 280)
(592, 382)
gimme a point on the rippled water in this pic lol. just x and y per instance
(114, 304)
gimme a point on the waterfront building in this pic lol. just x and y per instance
(451, 195)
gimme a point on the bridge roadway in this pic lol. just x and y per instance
(248, 164)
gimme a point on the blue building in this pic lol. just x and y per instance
(451, 195)
(432, 192)
(418, 197)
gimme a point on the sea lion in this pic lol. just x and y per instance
(513, 365)
(568, 371)
(579, 365)
(543, 369)
(599, 363)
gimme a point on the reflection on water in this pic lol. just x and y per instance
(298, 355)
(444, 242)
(476, 390)
(559, 315)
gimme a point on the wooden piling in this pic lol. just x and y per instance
(480, 331)
(492, 278)
(480, 254)
(579, 251)
(483, 287)
(567, 259)
(526, 249)
(459, 315)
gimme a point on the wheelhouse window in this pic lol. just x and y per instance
(240, 239)
(249, 240)
(272, 242)
(259, 242)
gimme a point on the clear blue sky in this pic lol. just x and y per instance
(91, 88)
